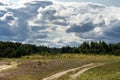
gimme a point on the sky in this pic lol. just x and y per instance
(59, 23)
(104, 2)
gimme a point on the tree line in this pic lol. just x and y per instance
(11, 49)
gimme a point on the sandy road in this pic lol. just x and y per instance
(74, 76)
(8, 66)
(83, 69)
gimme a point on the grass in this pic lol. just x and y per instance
(71, 56)
(36, 71)
(109, 71)
(36, 67)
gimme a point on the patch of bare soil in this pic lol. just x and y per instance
(74, 76)
(57, 75)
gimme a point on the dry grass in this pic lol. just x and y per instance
(36, 67)
(71, 56)
(106, 72)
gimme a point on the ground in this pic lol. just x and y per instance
(67, 66)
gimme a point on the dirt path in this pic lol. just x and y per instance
(74, 76)
(57, 75)
(8, 66)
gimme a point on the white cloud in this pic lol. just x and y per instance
(59, 24)
(5, 2)
(9, 18)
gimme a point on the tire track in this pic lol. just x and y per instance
(74, 76)
(57, 75)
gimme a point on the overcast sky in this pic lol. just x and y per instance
(105, 2)
(58, 24)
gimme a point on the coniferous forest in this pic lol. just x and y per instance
(16, 50)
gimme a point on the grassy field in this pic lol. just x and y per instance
(106, 72)
(36, 67)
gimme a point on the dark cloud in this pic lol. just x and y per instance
(96, 6)
(1, 4)
(5, 32)
(58, 24)
(81, 29)
(2, 12)
(23, 14)
(37, 28)
(41, 35)
(114, 31)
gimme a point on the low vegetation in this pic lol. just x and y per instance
(36, 67)
(106, 72)
(38, 62)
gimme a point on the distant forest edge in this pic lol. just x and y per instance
(16, 50)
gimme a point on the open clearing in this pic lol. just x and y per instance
(74, 76)
(61, 67)
(8, 66)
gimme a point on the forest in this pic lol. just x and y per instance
(16, 49)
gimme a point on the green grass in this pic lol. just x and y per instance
(32, 70)
(36, 67)
(71, 56)
(109, 71)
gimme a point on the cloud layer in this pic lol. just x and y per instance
(58, 24)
